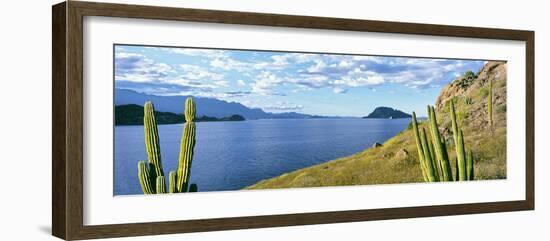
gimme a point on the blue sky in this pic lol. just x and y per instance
(320, 84)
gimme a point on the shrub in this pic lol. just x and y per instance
(468, 100)
(467, 80)
(484, 92)
(501, 109)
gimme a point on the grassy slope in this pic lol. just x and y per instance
(397, 160)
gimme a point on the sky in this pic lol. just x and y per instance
(309, 83)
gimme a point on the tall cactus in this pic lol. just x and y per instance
(470, 165)
(186, 147)
(150, 174)
(490, 102)
(433, 156)
(419, 149)
(432, 174)
(459, 144)
(152, 145)
(440, 147)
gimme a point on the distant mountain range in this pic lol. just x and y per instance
(205, 106)
(132, 114)
(387, 113)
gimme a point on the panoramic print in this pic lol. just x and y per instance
(200, 120)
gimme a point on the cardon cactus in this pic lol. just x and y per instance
(440, 147)
(433, 156)
(150, 174)
(490, 102)
(459, 144)
(470, 165)
(424, 153)
(186, 147)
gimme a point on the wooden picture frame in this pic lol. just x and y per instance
(67, 124)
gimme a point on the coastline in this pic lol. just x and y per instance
(396, 161)
(299, 178)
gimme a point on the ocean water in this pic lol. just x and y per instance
(233, 155)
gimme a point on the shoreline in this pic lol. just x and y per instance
(324, 165)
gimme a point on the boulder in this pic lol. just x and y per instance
(402, 154)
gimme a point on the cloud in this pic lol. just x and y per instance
(271, 73)
(194, 72)
(222, 59)
(230, 64)
(223, 83)
(265, 82)
(280, 60)
(275, 62)
(138, 72)
(375, 59)
(302, 57)
(192, 84)
(312, 81)
(238, 93)
(220, 95)
(345, 64)
(359, 71)
(241, 82)
(317, 67)
(358, 78)
(207, 53)
(338, 90)
(152, 88)
(138, 68)
(281, 106)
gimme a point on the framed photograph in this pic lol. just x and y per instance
(172, 120)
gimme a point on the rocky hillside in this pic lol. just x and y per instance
(478, 90)
(396, 161)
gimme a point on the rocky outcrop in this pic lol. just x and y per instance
(493, 70)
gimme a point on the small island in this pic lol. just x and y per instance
(387, 113)
(132, 114)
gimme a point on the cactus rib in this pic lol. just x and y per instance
(161, 185)
(419, 147)
(428, 162)
(172, 182)
(439, 146)
(144, 179)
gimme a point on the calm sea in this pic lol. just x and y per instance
(233, 155)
